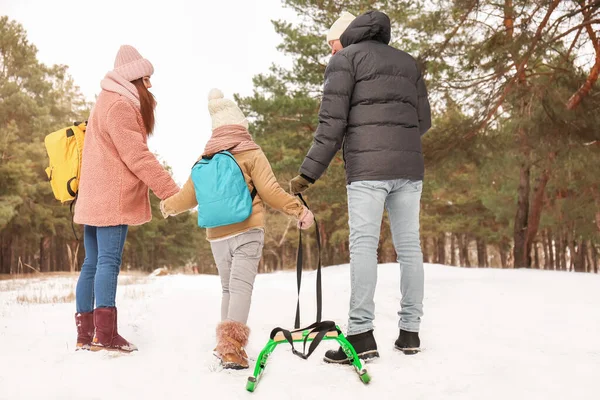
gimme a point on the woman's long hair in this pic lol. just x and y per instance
(147, 105)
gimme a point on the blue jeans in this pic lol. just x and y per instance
(366, 203)
(100, 269)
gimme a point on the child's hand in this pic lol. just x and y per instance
(306, 220)
(162, 210)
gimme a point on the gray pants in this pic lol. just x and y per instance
(237, 260)
(366, 203)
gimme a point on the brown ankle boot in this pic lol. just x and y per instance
(232, 337)
(85, 330)
(107, 337)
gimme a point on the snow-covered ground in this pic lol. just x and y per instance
(487, 334)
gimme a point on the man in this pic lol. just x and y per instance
(375, 103)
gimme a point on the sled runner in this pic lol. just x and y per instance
(313, 334)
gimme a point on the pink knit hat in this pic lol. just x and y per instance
(131, 65)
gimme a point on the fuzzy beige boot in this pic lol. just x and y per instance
(232, 337)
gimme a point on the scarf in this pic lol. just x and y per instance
(234, 138)
(114, 82)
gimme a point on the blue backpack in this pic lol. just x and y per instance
(221, 190)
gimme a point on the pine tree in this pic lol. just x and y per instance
(35, 229)
(512, 113)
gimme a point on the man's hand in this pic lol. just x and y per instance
(299, 184)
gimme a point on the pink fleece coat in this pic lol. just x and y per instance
(117, 167)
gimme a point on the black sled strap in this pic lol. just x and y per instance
(299, 265)
(320, 328)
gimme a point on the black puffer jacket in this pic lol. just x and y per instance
(375, 102)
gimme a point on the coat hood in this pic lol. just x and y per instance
(372, 25)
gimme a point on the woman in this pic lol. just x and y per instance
(117, 170)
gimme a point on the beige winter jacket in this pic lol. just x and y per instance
(258, 173)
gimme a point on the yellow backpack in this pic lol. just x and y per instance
(65, 148)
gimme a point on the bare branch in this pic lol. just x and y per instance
(573, 29)
(583, 91)
(285, 232)
(451, 35)
(520, 70)
(583, 8)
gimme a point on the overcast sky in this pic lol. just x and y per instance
(193, 45)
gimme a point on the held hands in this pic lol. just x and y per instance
(306, 220)
(299, 184)
(162, 210)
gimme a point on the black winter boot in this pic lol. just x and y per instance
(408, 342)
(364, 345)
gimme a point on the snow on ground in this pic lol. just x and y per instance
(487, 334)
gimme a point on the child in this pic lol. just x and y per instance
(237, 249)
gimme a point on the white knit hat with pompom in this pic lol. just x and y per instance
(224, 111)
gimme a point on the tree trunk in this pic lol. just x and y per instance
(425, 249)
(551, 250)
(486, 256)
(503, 257)
(50, 253)
(431, 249)
(544, 236)
(567, 257)
(560, 257)
(536, 255)
(588, 257)
(521, 256)
(567, 253)
(44, 259)
(3, 252)
(481, 253)
(73, 254)
(55, 253)
(556, 246)
(595, 258)
(380, 254)
(41, 262)
(14, 256)
(453, 260)
(441, 245)
(509, 19)
(537, 203)
(309, 256)
(579, 259)
(464, 250)
(572, 251)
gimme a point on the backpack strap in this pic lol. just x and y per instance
(254, 191)
(82, 126)
(71, 207)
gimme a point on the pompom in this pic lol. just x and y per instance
(215, 94)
